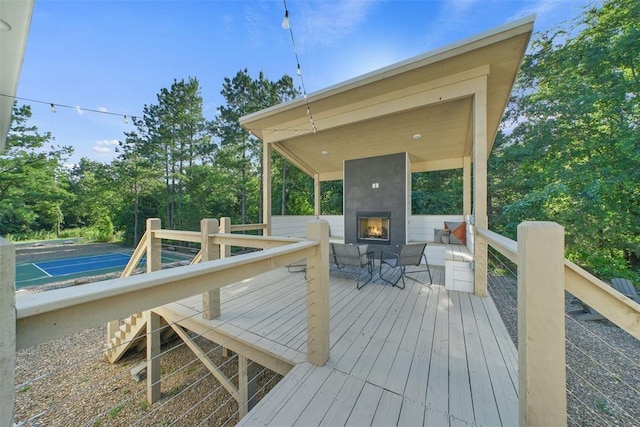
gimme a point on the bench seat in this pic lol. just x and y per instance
(457, 262)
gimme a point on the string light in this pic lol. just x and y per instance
(286, 24)
(80, 110)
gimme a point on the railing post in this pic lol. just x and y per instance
(154, 246)
(541, 325)
(210, 299)
(480, 257)
(247, 385)
(154, 263)
(7, 331)
(153, 357)
(225, 227)
(318, 294)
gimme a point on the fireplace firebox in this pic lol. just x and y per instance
(374, 227)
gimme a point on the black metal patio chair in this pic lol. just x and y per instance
(410, 255)
(348, 255)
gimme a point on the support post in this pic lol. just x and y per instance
(466, 186)
(247, 385)
(316, 194)
(210, 252)
(266, 187)
(318, 294)
(7, 330)
(541, 325)
(154, 246)
(225, 227)
(480, 151)
(153, 357)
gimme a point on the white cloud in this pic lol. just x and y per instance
(327, 22)
(105, 146)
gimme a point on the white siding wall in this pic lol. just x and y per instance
(421, 226)
(296, 225)
(336, 225)
(290, 225)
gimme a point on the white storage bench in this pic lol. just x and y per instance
(457, 262)
(458, 272)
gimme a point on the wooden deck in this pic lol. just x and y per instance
(418, 356)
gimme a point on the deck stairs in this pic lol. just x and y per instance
(130, 334)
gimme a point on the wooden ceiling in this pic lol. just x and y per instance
(379, 113)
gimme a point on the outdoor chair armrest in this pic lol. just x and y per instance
(389, 256)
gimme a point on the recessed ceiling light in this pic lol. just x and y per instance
(4, 25)
(417, 136)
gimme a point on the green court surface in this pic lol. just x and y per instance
(30, 274)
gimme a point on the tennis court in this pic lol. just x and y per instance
(39, 273)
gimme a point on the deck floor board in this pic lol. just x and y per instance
(418, 356)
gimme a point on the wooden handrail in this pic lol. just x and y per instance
(137, 255)
(247, 227)
(183, 236)
(504, 245)
(613, 305)
(260, 242)
(616, 307)
(44, 316)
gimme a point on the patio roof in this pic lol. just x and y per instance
(379, 113)
(13, 40)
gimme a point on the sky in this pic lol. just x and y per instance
(116, 55)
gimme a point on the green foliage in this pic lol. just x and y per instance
(437, 193)
(103, 229)
(240, 152)
(572, 153)
(31, 188)
(331, 197)
(292, 190)
(113, 412)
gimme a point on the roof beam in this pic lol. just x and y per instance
(432, 92)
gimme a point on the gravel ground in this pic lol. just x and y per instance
(68, 382)
(602, 362)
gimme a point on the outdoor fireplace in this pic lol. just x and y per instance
(373, 226)
(377, 202)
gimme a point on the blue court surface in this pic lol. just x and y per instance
(40, 273)
(62, 267)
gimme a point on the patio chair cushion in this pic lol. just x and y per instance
(458, 234)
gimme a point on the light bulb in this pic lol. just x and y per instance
(53, 108)
(298, 70)
(285, 20)
(126, 121)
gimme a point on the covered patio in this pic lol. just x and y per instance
(441, 110)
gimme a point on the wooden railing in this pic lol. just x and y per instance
(41, 317)
(543, 276)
